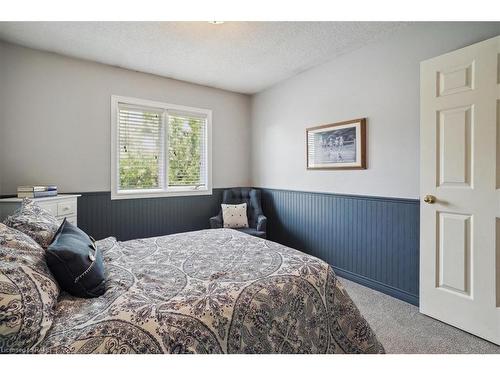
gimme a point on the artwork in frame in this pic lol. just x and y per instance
(337, 146)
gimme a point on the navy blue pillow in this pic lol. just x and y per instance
(76, 262)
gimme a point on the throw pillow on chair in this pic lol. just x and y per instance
(234, 215)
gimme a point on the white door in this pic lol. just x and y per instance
(460, 178)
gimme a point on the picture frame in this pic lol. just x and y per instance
(340, 145)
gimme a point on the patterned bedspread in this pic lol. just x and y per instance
(211, 291)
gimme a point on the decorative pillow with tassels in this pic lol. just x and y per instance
(76, 262)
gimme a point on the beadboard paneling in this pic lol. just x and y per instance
(372, 240)
(126, 219)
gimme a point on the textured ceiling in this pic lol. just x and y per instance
(245, 57)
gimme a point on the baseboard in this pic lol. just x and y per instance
(378, 286)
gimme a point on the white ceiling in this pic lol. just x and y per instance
(245, 57)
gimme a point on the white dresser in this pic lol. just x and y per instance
(61, 206)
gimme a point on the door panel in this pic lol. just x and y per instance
(497, 255)
(455, 79)
(454, 147)
(454, 253)
(459, 246)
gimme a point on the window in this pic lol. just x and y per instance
(159, 149)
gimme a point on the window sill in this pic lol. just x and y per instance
(139, 194)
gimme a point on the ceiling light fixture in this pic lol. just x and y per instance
(216, 22)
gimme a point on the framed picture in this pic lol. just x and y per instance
(337, 146)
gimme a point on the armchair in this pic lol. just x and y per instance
(256, 220)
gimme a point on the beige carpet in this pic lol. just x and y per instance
(402, 329)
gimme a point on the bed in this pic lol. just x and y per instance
(211, 291)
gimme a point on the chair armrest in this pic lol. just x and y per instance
(216, 222)
(261, 223)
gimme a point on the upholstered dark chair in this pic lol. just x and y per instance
(256, 220)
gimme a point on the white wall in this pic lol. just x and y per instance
(55, 120)
(380, 82)
(54, 116)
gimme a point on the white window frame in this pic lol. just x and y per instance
(116, 100)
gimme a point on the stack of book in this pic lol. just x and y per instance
(38, 191)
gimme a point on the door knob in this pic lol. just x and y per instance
(429, 199)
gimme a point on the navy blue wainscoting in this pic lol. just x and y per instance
(373, 241)
(126, 219)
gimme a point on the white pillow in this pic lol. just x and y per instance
(234, 215)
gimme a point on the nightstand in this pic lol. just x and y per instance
(61, 206)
